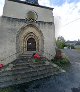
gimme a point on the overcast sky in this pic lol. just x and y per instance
(66, 14)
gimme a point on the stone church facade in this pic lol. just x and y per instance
(26, 27)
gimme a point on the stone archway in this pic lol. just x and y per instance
(27, 40)
(27, 36)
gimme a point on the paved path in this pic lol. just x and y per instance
(73, 55)
(74, 69)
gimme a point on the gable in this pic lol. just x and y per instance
(19, 10)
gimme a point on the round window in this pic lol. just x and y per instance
(32, 16)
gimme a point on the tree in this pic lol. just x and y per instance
(60, 42)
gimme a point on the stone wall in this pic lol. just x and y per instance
(9, 29)
(19, 10)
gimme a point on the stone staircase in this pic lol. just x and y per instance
(24, 69)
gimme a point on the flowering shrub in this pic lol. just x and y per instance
(36, 56)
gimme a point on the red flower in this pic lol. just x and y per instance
(1, 65)
(36, 56)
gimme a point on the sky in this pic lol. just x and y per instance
(66, 17)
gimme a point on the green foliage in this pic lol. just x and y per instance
(36, 60)
(60, 42)
(61, 62)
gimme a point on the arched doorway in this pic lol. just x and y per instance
(29, 40)
(31, 44)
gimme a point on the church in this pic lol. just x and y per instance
(26, 28)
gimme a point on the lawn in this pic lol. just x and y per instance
(77, 49)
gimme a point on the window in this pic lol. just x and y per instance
(32, 16)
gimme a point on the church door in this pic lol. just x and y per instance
(31, 44)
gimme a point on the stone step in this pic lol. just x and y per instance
(20, 78)
(30, 65)
(15, 72)
(28, 62)
(26, 55)
(22, 66)
(23, 80)
(24, 70)
(20, 61)
(31, 61)
(23, 61)
(21, 71)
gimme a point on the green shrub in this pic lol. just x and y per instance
(61, 62)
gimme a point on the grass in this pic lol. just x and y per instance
(77, 49)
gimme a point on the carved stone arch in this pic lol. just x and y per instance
(27, 32)
(28, 36)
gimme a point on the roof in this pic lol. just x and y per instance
(24, 2)
(78, 43)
